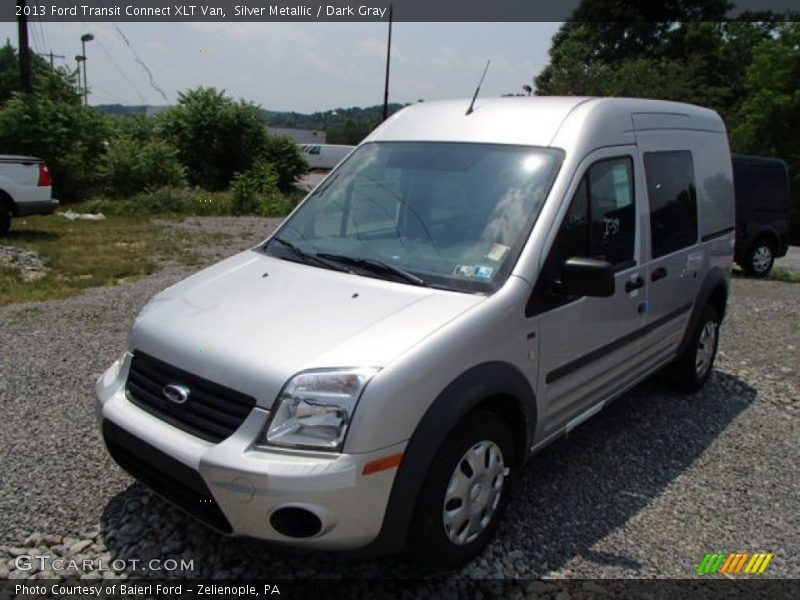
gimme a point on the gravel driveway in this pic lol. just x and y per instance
(644, 489)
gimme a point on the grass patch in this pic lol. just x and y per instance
(84, 254)
(781, 274)
(194, 202)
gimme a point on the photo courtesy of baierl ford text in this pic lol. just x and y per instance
(382, 298)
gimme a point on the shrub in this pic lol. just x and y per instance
(215, 135)
(131, 166)
(284, 154)
(249, 190)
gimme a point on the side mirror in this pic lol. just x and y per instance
(587, 277)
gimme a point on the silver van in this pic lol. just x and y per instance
(461, 291)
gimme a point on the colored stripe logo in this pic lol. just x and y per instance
(734, 563)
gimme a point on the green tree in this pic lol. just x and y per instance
(769, 117)
(51, 123)
(58, 84)
(684, 50)
(70, 137)
(215, 135)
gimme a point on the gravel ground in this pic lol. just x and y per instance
(791, 261)
(644, 489)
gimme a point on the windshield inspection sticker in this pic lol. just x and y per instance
(498, 252)
(464, 271)
(482, 272)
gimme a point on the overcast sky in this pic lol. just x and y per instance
(298, 66)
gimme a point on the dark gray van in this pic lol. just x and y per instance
(763, 201)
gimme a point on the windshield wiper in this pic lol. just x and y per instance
(375, 266)
(308, 258)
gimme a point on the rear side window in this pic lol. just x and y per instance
(673, 200)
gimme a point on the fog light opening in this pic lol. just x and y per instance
(295, 522)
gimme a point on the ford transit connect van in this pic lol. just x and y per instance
(458, 293)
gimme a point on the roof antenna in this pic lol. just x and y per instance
(478, 89)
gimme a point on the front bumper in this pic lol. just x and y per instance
(235, 486)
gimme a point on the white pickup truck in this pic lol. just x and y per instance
(25, 189)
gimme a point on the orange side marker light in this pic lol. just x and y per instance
(381, 464)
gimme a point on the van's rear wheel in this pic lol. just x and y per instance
(464, 493)
(760, 258)
(692, 369)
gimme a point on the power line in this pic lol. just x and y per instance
(43, 37)
(136, 57)
(121, 72)
(34, 39)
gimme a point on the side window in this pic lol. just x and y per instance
(313, 150)
(612, 211)
(673, 200)
(600, 223)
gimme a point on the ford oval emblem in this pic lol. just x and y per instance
(176, 393)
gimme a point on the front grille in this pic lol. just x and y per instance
(167, 477)
(212, 412)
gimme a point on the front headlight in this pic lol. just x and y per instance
(315, 408)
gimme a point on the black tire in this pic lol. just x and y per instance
(429, 543)
(760, 258)
(684, 372)
(5, 219)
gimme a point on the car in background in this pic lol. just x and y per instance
(763, 202)
(25, 189)
(324, 156)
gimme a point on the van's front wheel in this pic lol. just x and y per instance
(464, 493)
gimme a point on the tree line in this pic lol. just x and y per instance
(747, 68)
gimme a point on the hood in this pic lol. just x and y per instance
(252, 321)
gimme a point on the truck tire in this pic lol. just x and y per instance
(691, 370)
(5, 219)
(760, 258)
(464, 493)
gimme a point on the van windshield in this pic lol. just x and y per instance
(451, 215)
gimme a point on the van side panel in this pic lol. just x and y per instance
(715, 198)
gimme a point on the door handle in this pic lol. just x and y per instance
(634, 284)
(659, 273)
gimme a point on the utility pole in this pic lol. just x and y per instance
(86, 37)
(388, 59)
(24, 49)
(52, 57)
(79, 58)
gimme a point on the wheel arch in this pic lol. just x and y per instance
(495, 386)
(7, 200)
(765, 232)
(714, 292)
